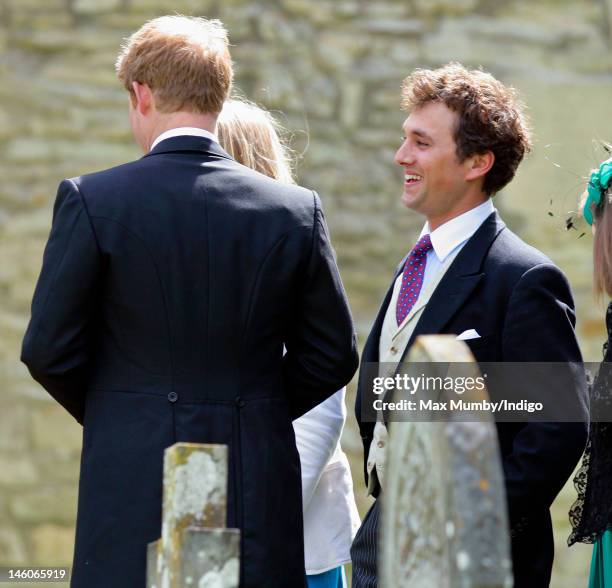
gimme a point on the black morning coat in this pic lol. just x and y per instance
(521, 305)
(169, 286)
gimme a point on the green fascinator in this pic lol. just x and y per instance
(596, 188)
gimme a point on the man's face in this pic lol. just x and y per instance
(435, 183)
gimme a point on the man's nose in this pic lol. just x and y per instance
(404, 155)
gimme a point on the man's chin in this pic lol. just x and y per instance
(411, 201)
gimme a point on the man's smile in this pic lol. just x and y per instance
(412, 179)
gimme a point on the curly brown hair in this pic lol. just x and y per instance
(491, 117)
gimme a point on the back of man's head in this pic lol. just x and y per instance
(185, 61)
(490, 116)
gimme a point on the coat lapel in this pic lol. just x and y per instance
(459, 282)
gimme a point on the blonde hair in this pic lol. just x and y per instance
(184, 60)
(251, 136)
(602, 244)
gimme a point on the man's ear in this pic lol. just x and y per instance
(479, 165)
(142, 98)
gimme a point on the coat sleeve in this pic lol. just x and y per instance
(56, 347)
(539, 327)
(321, 346)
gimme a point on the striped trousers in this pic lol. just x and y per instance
(364, 550)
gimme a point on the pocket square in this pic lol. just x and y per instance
(469, 334)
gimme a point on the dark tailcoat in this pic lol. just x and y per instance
(168, 289)
(521, 305)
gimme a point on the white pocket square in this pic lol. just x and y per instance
(469, 334)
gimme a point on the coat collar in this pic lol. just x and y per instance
(458, 283)
(187, 143)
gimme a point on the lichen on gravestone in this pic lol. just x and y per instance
(195, 489)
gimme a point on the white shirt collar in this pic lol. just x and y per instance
(179, 131)
(457, 230)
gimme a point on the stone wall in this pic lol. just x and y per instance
(332, 70)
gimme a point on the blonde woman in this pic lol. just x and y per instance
(331, 520)
(591, 514)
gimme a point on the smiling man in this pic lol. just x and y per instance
(470, 276)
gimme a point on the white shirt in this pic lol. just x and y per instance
(331, 518)
(179, 131)
(452, 236)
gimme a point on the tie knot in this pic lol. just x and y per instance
(422, 246)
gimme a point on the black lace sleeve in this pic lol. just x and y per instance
(591, 513)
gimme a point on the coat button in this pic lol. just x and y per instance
(239, 402)
(393, 350)
(172, 396)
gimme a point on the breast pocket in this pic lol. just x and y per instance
(484, 348)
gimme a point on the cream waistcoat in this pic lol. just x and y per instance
(393, 341)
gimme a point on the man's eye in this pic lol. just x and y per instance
(422, 144)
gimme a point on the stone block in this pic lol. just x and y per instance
(59, 468)
(405, 55)
(195, 486)
(123, 22)
(69, 70)
(351, 104)
(13, 428)
(17, 470)
(387, 10)
(35, 6)
(52, 545)
(518, 31)
(49, 504)
(94, 6)
(53, 429)
(405, 27)
(24, 387)
(20, 293)
(195, 496)
(12, 547)
(12, 325)
(273, 28)
(27, 226)
(211, 557)
(450, 42)
(4, 505)
(54, 41)
(83, 154)
(279, 88)
(444, 7)
(338, 50)
(44, 21)
(323, 15)
(152, 8)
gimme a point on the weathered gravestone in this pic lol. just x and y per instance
(195, 549)
(444, 507)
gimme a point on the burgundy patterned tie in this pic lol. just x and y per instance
(412, 279)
